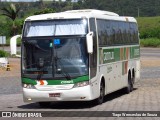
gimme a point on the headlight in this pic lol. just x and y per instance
(29, 86)
(81, 84)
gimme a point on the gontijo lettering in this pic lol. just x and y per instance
(136, 52)
(67, 82)
(108, 56)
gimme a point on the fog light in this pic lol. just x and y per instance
(29, 99)
(29, 86)
(81, 84)
(83, 97)
(24, 85)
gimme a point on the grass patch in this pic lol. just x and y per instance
(150, 42)
(149, 27)
(3, 53)
(148, 22)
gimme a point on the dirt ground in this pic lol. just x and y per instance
(14, 64)
(150, 62)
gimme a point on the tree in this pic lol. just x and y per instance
(12, 13)
(41, 3)
(45, 11)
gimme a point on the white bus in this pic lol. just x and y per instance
(78, 55)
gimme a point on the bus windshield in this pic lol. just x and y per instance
(54, 58)
(55, 27)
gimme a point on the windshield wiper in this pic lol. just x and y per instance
(41, 70)
(36, 63)
(62, 71)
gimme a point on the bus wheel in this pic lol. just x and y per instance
(129, 88)
(44, 104)
(100, 99)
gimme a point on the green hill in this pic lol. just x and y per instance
(149, 27)
(122, 7)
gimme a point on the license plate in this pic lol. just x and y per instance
(54, 94)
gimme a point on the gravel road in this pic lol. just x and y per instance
(145, 96)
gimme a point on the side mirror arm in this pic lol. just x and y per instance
(89, 42)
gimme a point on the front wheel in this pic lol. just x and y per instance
(100, 99)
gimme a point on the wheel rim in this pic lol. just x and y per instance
(130, 84)
(101, 94)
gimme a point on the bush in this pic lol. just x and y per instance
(3, 53)
(44, 11)
(149, 27)
(5, 28)
(150, 33)
(150, 42)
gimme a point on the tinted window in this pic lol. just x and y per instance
(93, 57)
(116, 33)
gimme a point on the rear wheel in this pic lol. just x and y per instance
(100, 99)
(129, 88)
(44, 104)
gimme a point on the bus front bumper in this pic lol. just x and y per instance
(74, 94)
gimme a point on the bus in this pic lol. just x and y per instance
(78, 55)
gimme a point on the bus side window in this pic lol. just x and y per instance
(93, 57)
(127, 32)
(136, 40)
(99, 32)
(120, 36)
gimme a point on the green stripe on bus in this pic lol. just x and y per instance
(124, 53)
(135, 52)
(28, 81)
(57, 82)
(118, 54)
(108, 55)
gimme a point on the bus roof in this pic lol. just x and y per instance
(85, 13)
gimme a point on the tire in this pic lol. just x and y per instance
(133, 76)
(44, 104)
(100, 99)
(129, 88)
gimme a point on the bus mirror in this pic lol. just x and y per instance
(89, 40)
